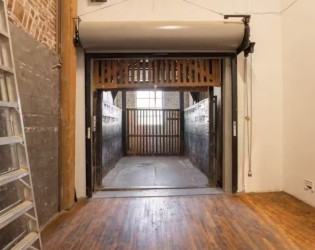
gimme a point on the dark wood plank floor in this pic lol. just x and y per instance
(251, 221)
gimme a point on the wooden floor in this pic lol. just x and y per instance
(251, 221)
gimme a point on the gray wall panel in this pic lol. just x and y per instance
(39, 91)
(196, 128)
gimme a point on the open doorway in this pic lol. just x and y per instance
(157, 137)
(165, 142)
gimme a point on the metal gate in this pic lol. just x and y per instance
(153, 131)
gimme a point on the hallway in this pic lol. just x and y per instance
(154, 172)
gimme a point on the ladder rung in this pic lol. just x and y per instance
(12, 176)
(26, 242)
(10, 140)
(14, 213)
(8, 104)
(3, 33)
(6, 69)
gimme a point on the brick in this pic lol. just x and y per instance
(37, 18)
(170, 100)
(18, 11)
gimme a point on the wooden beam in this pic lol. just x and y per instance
(181, 74)
(67, 101)
(159, 86)
(162, 88)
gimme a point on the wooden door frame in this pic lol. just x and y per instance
(88, 104)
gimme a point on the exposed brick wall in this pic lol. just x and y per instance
(37, 18)
(171, 100)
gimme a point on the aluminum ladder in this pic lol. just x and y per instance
(14, 163)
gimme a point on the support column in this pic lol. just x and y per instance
(234, 126)
(98, 137)
(67, 102)
(211, 137)
(123, 121)
(182, 121)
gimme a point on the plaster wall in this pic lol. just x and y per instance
(298, 99)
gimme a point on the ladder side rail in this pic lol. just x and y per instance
(28, 193)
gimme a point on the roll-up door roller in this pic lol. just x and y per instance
(162, 36)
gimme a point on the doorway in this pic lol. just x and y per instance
(147, 132)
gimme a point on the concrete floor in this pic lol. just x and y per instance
(154, 172)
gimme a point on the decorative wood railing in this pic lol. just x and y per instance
(160, 73)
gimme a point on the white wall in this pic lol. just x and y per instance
(267, 106)
(299, 99)
(267, 120)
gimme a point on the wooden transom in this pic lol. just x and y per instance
(155, 73)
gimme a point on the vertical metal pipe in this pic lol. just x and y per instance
(124, 106)
(172, 132)
(164, 132)
(88, 115)
(137, 133)
(148, 132)
(181, 117)
(160, 124)
(128, 131)
(134, 131)
(156, 131)
(168, 133)
(175, 132)
(178, 133)
(140, 129)
(211, 137)
(142, 133)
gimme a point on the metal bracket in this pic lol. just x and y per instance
(76, 38)
(246, 18)
(250, 49)
(247, 46)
